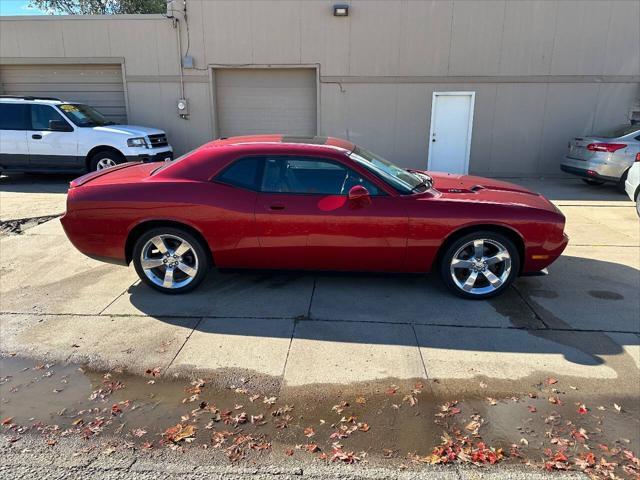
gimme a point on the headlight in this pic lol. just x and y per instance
(137, 142)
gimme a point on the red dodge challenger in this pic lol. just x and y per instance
(316, 203)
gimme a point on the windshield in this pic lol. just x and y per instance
(618, 131)
(399, 178)
(84, 115)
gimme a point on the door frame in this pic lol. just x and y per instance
(472, 95)
(213, 67)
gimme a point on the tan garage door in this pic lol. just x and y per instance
(97, 85)
(265, 100)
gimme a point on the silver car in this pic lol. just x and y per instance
(604, 156)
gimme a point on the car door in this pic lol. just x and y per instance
(53, 141)
(229, 221)
(305, 219)
(14, 150)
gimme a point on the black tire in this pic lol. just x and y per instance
(592, 182)
(506, 271)
(196, 258)
(105, 157)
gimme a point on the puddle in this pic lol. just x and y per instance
(394, 425)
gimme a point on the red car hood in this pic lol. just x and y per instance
(450, 182)
(480, 189)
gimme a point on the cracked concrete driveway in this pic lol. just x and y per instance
(583, 320)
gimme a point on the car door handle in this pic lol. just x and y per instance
(277, 206)
(36, 136)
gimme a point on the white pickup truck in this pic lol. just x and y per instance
(49, 135)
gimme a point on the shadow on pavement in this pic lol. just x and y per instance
(571, 189)
(36, 183)
(330, 307)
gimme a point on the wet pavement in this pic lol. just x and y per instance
(399, 425)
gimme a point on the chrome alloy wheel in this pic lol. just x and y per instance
(169, 261)
(105, 163)
(480, 266)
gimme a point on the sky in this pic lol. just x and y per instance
(17, 7)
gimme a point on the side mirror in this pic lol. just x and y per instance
(359, 195)
(59, 126)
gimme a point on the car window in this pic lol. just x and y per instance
(41, 115)
(242, 173)
(311, 176)
(13, 116)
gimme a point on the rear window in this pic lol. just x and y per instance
(615, 132)
(243, 173)
(13, 116)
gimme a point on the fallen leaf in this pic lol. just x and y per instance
(139, 432)
(179, 432)
(473, 426)
(617, 407)
(363, 427)
(361, 400)
(582, 409)
(309, 432)
(7, 421)
(339, 408)
(532, 409)
(410, 399)
(524, 441)
(289, 452)
(492, 401)
(551, 381)
(311, 448)
(392, 390)
(155, 372)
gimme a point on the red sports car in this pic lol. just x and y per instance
(278, 202)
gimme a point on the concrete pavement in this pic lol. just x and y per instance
(296, 329)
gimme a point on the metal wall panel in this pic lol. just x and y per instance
(265, 100)
(97, 85)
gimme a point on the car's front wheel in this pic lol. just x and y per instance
(170, 260)
(480, 265)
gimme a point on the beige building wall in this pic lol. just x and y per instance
(543, 71)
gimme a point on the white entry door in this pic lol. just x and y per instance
(450, 136)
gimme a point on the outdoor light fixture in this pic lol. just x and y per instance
(341, 10)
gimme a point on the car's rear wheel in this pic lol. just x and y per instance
(102, 160)
(592, 182)
(170, 260)
(480, 265)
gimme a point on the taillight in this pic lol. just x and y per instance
(638, 157)
(605, 147)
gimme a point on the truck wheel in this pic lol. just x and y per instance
(102, 160)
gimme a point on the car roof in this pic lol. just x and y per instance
(270, 139)
(30, 100)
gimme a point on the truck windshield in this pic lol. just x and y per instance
(84, 115)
